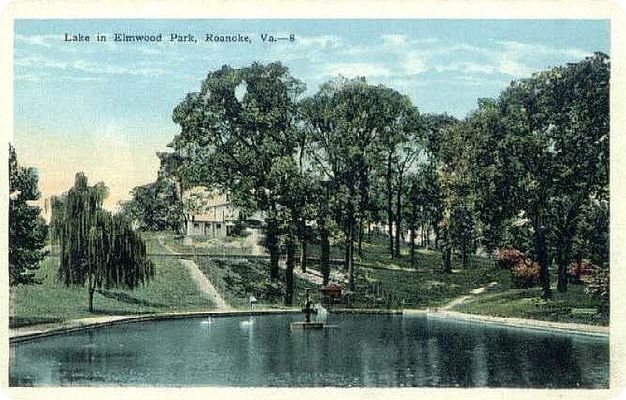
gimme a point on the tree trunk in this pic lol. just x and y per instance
(346, 255)
(412, 245)
(447, 259)
(464, 256)
(271, 241)
(389, 206)
(360, 248)
(351, 259)
(325, 256)
(564, 251)
(303, 254)
(291, 262)
(398, 217)
(91, 292)
(92, 289)
(446, 253)
(542, 256)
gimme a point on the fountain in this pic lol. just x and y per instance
(322, 313)
(308, 310)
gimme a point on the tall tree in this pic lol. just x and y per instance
(238, 136)
(27, 230)
(97, 248)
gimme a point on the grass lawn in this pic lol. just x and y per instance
(237, 279)
(383, 281)
(571, 306)
(172, 289)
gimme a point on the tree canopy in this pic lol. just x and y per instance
(27, 229)
(97, 247)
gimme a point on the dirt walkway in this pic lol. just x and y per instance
(464, 299)
(314, 276)
(205, 285)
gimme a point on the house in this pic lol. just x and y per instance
(213, 215)
(208, 213)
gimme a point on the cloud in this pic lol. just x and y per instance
(86, 67)
(414, 65)
(322, 41)
(522, 59)
(394, 40)
(468, 67)
(38, 40)
(514, 68)
(29, 77)
(348, 69)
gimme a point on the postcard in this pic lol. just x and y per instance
(313, 200)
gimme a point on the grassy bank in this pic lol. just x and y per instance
(171, 290)
(382, 282)
(238, 279)
(571, 306)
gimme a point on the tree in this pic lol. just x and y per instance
(538, 153)
(27, 230)
(238, 136)
(97, 248)
(154, 206)
(401, 141)
(349, 123)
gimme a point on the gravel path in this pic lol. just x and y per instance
(205, 285)
(469, 297)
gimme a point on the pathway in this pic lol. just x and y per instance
(315, 276)
(205, 285)
(469, 297)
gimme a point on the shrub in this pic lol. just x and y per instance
(581, 271)
(508, 258)
(525, 273)
(599, 285)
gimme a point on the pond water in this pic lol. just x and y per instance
(363, 350)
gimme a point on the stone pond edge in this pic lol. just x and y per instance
(26, 333)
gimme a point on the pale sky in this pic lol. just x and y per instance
(105, 108)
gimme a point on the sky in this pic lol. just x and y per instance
(105, 108)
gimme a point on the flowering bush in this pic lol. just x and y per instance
(581, 271)
(508, 258)
(526, 273)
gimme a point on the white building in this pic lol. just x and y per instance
(213, 215)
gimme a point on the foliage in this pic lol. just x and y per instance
(27, 230)
(539, 152)
(581, 270)
(97, 248)
(169, 291)
(599, 286)
(154, 207)
(238, 136)
(592, 232)
(508, 258)
(525, 273)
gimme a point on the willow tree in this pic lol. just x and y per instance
(97, 248)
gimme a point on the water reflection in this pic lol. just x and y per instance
(364, 350)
